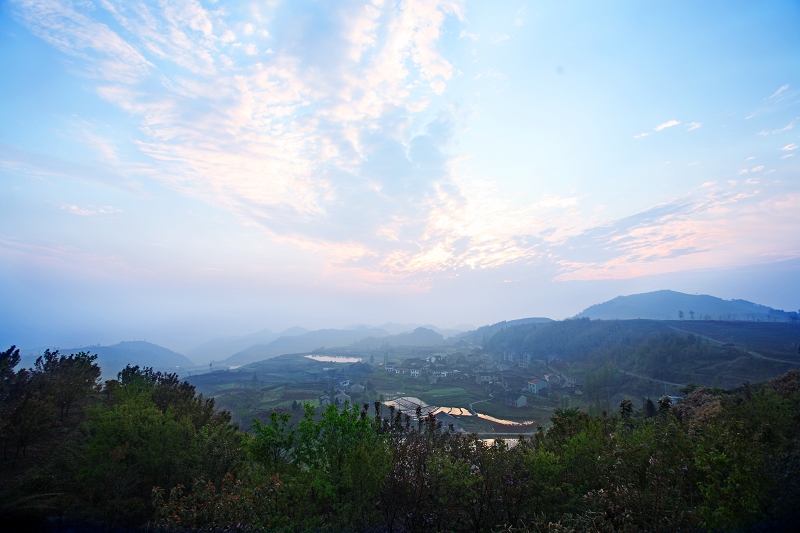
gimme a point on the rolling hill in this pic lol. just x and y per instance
(219, 349)
(113, 358)
(419, 337)
(484, 333)
(667, 305)
(328, 338)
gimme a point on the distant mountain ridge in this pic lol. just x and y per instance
(419, 337)
(484, 333)
(668, 305)
(328, 338)
(219, 349)
(394, 328)
(114, 358)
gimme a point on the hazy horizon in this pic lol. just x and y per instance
(184, 172)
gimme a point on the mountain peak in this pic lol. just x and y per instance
(672, 305)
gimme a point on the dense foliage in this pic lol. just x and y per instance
(151, 453)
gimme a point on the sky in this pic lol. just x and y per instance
(180, 170)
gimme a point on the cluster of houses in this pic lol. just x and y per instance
(415, 367)
(512, 374)
(340, 393)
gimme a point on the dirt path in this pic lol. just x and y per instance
(472, 409)
(651, 379)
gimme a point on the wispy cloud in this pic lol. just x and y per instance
(501, 38)
(90, 210)
(668, 124)
(327, 137)
(519, 16)
(726, 226)
(782, 98)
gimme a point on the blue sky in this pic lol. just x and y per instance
(179, 170)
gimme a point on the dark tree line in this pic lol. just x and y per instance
(153, 454)
(30, 399)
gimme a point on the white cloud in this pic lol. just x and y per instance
(501, 38)
(790, 147)
(666, 125)
(693, 126)
(643, 134)
(335, 151)
(90, 211)
(777, 93)
(757, 169)
(519, 17)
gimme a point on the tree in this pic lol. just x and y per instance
(153, 431)
(691, 315)
(680, 315)
(66, 378)
(272, 443)
(25, 412)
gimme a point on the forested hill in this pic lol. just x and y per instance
(706, 352)
(671, 305)
(419, 337)
(484, 333)
(301, 343)
(114, 358)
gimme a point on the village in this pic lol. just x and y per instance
(461, 387)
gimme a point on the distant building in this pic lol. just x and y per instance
(390, 367)
(549, 377)
(514, 399)
(401, 370)
(537, 385)
(414, 372)
(341, 398)
(573, 381)
(356, 388)
(485, 379)
(514, 383)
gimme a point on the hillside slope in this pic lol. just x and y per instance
(419, 337)
(113, 358)
(711, 353)
(219, 349)
(667, 305)
(328, 338)
(484, 333)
